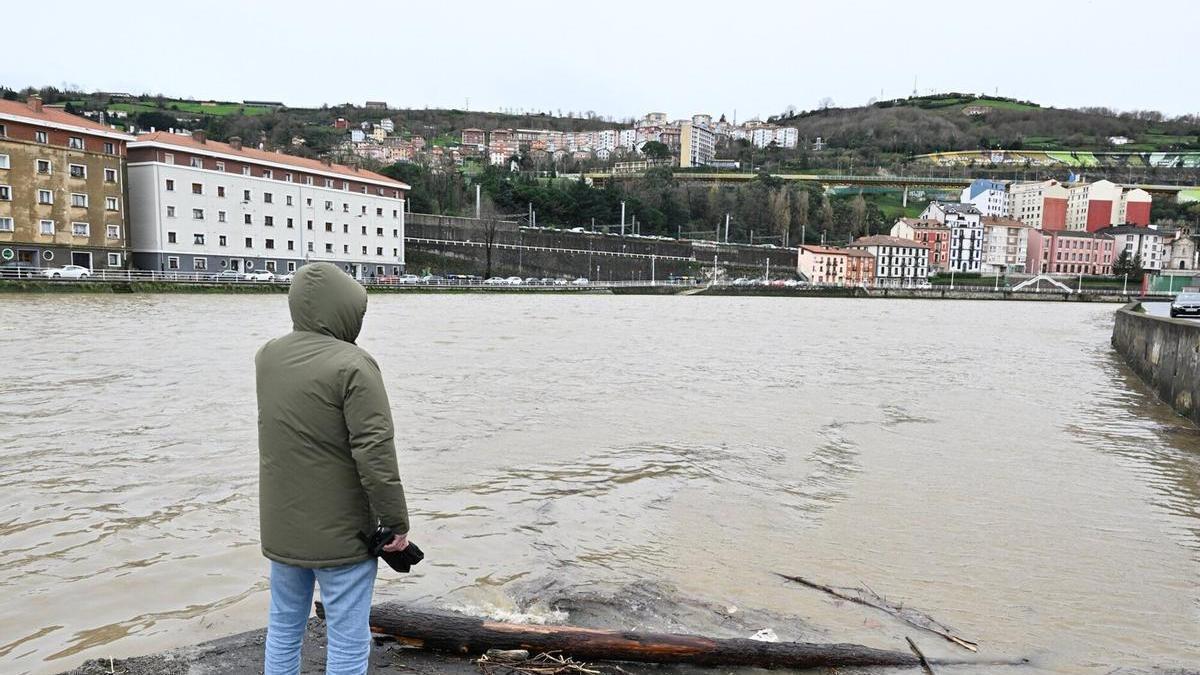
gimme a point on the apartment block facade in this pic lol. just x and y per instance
(62, 183)
(989, 196)
(822, 264)
(1147, 245)
(1041, 205)
(199, 206)
(929, 232)
(1006, 246)
(1073, 252)
(966, 233)
(898, 262)
(697, 145)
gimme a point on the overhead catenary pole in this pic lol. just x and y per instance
(477, 200)
(622, 218)
(726, 228)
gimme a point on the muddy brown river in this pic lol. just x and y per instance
(646, 462)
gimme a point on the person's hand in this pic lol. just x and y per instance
(398, 543)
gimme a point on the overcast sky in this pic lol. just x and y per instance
(616, 57)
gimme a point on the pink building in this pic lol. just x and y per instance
(1073, 252)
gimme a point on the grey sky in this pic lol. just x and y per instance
(616, 58)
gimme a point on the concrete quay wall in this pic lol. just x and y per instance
(1165, 353)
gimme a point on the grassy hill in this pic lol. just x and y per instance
(954, 121)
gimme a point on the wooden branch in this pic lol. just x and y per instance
(466, 635)
(917, 650)
(936, 629)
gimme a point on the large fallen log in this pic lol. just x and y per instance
(459, 634)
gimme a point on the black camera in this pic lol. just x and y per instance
(401, 561)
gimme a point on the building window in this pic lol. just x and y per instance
(308, 201)
(310, 247)
(77, 170)
(310, 224)
(329, 248)
(79, 200)
(5, 193)
(291, 266)
(198, 238)
(267, 198)
(379, 212)
(110, 148)
(46, 227)
(270, 265)
(114, 232)
(246, 219)
(200, 264)
(45, 197)
(198, 214)
(220, 166)
(289, 200)
(3, 131)
(395, 233)
(170, 237)
(345, 248)
(170, 211)
(249, 242)
(114, 259)
(44, 167)
(269, 221)
(245, 171)
(329, 227)
(170, 185)
(245, 195)
(6, 224)
(196, 163)
(41, 137)
(267, 173)
(269, 243)
(345, 207)
(345, 228)
(291, 224)
(110, 175)
(220, 216)
(168, 158)
(291, 245)
(220, 190)
(364, 230)
(222, 240)
(173, 262)
(328, 182)
(379, 232)
(112, 204)
(287, 177)
(4, 163)
(197, 188)
(364, 250)
(328, 205)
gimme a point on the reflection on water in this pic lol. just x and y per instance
(643, 462)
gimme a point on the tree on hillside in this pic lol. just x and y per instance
(656, 150)
(781, 212)
(800, 207)
(858, 216)
(489, 221)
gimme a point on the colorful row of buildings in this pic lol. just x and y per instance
(73, 191)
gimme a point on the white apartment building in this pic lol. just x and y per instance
(1006, 246)
(1041, 205)
(966, 233)
(1091, 206)
(202, 206)
(697, 145)
(989, 196)
(784, 137)
(898, 262)
(1146, 244)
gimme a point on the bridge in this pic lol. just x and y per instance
(846, 180)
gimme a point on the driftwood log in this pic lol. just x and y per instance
(437, 631)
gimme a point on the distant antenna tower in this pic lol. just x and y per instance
(914, 85)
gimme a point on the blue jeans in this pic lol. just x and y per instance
(346, 594)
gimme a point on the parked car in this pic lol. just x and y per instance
(286, 278)
(513, 281)
(495, 281)
(67, 272)
(433, 279)
(261, 275)
(561, 282)
(17, 269)
(408, 279)
(226, 276)
(581, 281)
(532, 280)
(1186, 304)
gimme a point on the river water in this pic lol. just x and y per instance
(646, 462)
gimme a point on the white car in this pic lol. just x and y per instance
(514, 281)
(581, 281)
(286, 278)
(67, 272)
(263, 275)
(495, 281)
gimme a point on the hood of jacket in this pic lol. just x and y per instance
(323, 299)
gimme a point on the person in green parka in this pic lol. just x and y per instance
(327, 471)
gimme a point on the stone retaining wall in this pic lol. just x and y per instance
(1165, 353)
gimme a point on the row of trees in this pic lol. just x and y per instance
(764, 209)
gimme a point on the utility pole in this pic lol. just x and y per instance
(768, 277)
(622, 218)
(651, 270)
(477, 197)
(726, 228)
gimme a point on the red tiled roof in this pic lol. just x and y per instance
(826, 250)
(857, 253)
(50, 115)
(1003, 222)
(884, 240)
(256, 155)
(924, 223)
